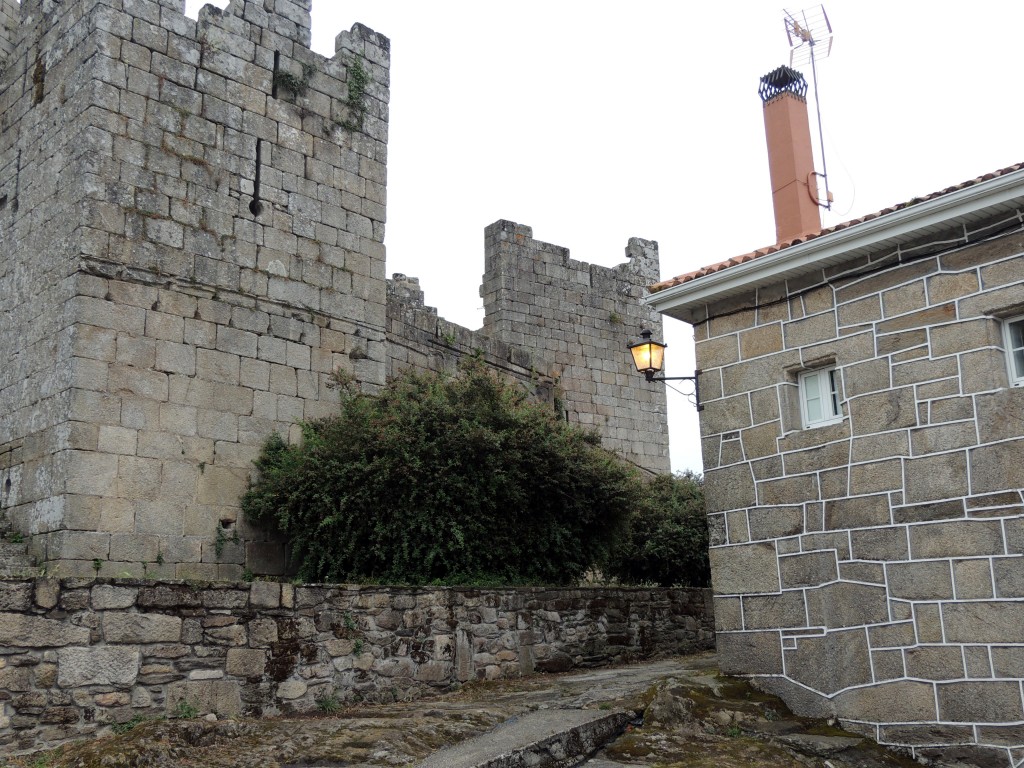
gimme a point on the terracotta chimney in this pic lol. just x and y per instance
(790, 158)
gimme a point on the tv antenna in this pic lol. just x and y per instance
(810, 39)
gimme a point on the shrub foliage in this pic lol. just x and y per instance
(451, 478)
(667, 543)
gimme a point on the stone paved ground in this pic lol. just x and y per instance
(692, 717)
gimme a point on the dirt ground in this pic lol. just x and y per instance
(686, 714)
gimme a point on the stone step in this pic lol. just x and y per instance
(547, 737)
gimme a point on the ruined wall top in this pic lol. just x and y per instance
(274, 22)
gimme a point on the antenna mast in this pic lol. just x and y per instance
(810, 38)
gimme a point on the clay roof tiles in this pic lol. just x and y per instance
(735, 260)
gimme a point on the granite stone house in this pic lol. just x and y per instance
(192, 220)
(863, 443)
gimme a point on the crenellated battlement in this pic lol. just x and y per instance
(191, 246)
(576, 318)
(192, 218)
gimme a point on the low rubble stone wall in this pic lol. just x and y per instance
(80, 655)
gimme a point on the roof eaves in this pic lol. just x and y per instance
(836, 244)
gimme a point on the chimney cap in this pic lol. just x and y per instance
(782, 80)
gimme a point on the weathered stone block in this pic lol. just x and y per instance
(973, 579)
(894, 702)
(880, 543)
(265, 594)
(808, 570)
(810, 330)
(980, 702)
(929, 735)
(857, 512)
(744, 569)
(820, 457)
(1008, 573)
(928, 623)
(97, 666)
(845, 604)
(725, 414)
(888, 665)
(1008, 661)
(729, 488)
(935, 663)
(34, 631)
(790, 490)
(246, 662)
(141, 628)
(759, 341)
(46, 592)
(964, 336)
(995, 467)
(876, 476)
(922, 513)
(894, 635)
(926, 440)
(749, 653)
(15, 596)
(884, 411)
(105, 597)
(761, 440)
(837, 540)
(873, 573)
(775, 522)
(221, 697)
(936, 477)
(717, 352)
(728, 614)
(929, 580)
(961, 538)
(832, 662)
(774, 611)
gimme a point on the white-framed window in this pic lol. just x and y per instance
(1013, 330)
(819, 397)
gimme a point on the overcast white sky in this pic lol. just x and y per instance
(593, 122)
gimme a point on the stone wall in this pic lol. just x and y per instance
(78, 655)
(576, 319)
(191, 247)
(420, 340)
(874, 568)
(558, 326)
(191, 229)
(9, 16)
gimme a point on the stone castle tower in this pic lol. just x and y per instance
(191, 244)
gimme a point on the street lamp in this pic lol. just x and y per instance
(649, 359)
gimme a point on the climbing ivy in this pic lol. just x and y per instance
(358, 80)
(295, 85)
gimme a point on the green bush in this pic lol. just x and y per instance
(667, 543)
(453, 479)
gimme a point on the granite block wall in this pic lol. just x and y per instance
(576, 319)
(79, 655)
(192, 222)
(872, 568)
(420, 340)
